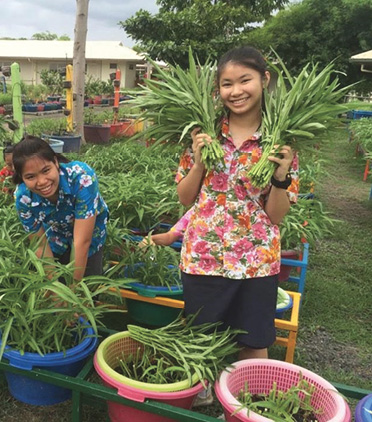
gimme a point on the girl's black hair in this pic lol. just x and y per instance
(32, 146)
(245, 56)
(8, 149)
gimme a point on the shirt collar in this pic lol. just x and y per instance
(225, 131)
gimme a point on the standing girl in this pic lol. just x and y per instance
(230, 256)
(59, 202)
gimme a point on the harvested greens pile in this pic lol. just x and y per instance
(178, 351)
(180, 100)
(299, 109)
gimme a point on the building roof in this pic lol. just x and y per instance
(365, 57)
(62, 50)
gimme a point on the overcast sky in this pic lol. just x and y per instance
(23, 18)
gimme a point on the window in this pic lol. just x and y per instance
(113, 66)
(58, 65)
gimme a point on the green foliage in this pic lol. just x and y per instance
(362, 132)
(297, 111)
(315, 31)
(281, 406)
(39, 127)
(178, 101)
(151, 265)
(94, 86)
(48, 36)
(210, 28)
(35, 307)
(5, 98)
(195, 349)
(306, 221)
(53, 80)
(34, 93)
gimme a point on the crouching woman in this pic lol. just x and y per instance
(59, 202)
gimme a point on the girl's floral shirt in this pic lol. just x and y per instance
(78, 198)
(229, 234)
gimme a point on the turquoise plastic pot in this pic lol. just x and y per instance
(150, 313)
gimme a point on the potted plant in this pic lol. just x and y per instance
(96, 131)
(306, 222)
(169, 364)
(55, 129)
(38, 315)
(263, 390)
(155, 272)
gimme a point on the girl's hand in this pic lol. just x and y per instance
(198, 142)
(146, 242)
(283, 158)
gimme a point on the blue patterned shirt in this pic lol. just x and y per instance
(78, 198)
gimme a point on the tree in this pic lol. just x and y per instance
(319, 31)
(209, 27)
(78, 63)
(48, 36)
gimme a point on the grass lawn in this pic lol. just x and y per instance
(335, 324)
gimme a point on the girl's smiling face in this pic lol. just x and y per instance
(42, 177)
(241, 88)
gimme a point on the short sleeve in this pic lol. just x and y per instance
(86, 192)
(186, 162)
(31, 221)
(181, 225)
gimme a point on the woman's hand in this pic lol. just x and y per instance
(198, 142)
(283, 158)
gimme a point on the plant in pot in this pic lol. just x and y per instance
(45, 323)
(155, 271)
(306, 222)
(55, 129)
(96, 131)
(170, 364)
(263, 390)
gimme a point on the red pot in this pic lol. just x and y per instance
(285, 270)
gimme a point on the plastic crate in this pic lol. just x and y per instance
(358, 114)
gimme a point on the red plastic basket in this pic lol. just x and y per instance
(259, 375)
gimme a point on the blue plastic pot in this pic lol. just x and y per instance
(363, 410)
(71, 143)
(56, 145)
(31, 391)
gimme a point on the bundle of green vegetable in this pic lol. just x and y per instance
(298, 109)
(180, 349)
(282, 406)
(180, 100)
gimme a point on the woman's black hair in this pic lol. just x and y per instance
(244, 56)
(8, 149)
(32, 146)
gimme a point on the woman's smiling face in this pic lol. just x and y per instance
(42, 177)
(241, 88)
